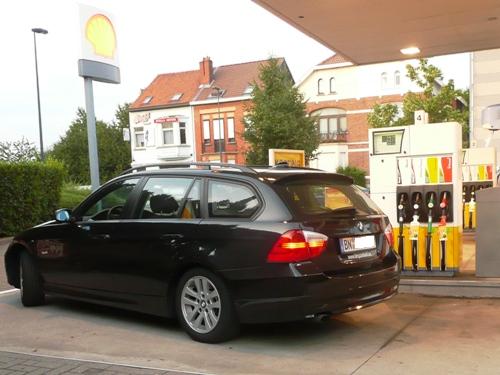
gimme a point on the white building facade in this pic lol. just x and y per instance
(342, 95)
(162, 135)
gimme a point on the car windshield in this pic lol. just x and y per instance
(320, 197)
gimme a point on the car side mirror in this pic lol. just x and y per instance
(63, 215)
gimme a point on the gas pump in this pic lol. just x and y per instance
(414, 229)
(402, 207)
(478, 172)
(428, 244)
(472, 208)
(464, 201)
(411, 167)
(442, 230)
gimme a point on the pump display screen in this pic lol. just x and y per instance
(387, 142)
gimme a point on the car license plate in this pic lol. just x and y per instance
(352, 244)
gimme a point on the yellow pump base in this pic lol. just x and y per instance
(453, 255)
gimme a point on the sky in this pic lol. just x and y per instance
(153, 37)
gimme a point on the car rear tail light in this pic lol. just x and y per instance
(297, 246)
(389, 234)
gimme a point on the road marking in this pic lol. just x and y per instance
(8, 291)
(104, 362)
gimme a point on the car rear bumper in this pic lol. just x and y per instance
(314, 294)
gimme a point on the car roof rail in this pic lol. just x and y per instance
(284, 165)
(208, 166)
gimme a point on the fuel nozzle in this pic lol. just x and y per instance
(430, 203)
(430, 206)
(444, 205)
(416, 205)
(403, 202)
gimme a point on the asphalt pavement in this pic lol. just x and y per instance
(4, 242)
(409, 334)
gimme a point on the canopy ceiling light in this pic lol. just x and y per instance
(410, 51)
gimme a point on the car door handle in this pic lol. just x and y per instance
(104, 236)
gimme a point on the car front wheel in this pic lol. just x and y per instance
(30, 282)
(204, 307)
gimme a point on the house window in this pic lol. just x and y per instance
(139, 137)
(168, 133)
(248, 90)
(218, 125)
(320, 86)
(397, 78)
(343, 124)
(176, 96)
(206, 132)
(383, 80)
(182, 132)
(147, 100)
(332, 85)
(332, 124)
(230, 130)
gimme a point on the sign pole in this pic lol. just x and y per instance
(99, 62)
(91, 134)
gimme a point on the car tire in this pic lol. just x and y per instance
(205, 308)
(30, 282)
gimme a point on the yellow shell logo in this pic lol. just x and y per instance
(101, 34)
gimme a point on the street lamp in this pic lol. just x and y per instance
(38, 30)
(219, 91)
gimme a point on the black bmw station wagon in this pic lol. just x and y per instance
(214, 245)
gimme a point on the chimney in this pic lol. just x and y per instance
(206, 70)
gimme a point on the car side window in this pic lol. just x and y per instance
(165, 197)
(192, 206)
(110, 206)
(231, 200)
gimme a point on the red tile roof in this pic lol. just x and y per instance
(233, 79)
(335, 59)
(165, 86)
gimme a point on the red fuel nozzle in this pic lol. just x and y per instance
(444, 202)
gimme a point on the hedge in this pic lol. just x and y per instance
(29, 194)
(72, 195)
(357, 174)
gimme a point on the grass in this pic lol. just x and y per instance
(72, 194)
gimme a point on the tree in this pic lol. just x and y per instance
(277, 117)
(114, 152)
(18, 151)
(357, 174)
(122, 119)
(438, 100)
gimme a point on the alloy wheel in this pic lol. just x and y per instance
(200, 304)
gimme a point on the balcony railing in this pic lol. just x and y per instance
(340, 136)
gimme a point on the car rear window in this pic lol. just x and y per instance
(319, 197)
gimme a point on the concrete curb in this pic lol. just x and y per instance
(471, 288)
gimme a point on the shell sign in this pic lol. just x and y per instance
(99, 41)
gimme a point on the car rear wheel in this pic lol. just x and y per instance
(30, 282)
(204, 307)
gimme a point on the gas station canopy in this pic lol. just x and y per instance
(368, 31)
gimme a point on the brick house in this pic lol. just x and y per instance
(342, 95)
(195, 115)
